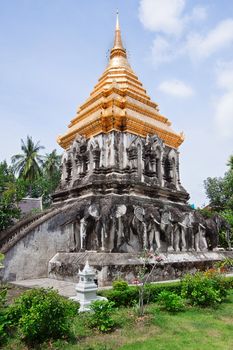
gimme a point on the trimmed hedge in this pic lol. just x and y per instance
(129, 295)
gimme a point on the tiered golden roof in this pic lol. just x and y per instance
(119, 102)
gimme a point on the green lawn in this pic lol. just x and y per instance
(194, 329)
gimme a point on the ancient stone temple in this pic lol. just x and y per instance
(122, 154)
(120, 192)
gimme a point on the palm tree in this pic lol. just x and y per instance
(28, 164)
(52, 163)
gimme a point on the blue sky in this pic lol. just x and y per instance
(52, 52)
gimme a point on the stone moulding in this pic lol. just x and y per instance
(110, 266)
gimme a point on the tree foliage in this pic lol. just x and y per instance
(220, 190)
(9, 196)
(28, 164)
(220, 193)
(31, 175)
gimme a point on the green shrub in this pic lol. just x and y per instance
(120, 285)
(101, 318)
(41, 314)
(3, 321)
(125, 298)
(152, 291)
(204, 288)
(171, 301)
(229, 282)
(130, 296)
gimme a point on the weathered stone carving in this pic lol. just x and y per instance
(134, 228)
(153, 220)
(150, 160)
(121, 162)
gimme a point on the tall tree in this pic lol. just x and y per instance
(9, 196)
(28, 164)
(220, 190)
(220, 194)
(52, 164)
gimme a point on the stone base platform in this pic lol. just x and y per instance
(64, 288)
(110, 266)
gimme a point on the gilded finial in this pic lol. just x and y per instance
(117, 41)
(117, 21)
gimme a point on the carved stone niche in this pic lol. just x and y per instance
(132, 156)
(68, 166)
(170, 165)
(152, 155)
(79, 149)
(94, 154)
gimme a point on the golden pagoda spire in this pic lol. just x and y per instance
(118, 49)
(117, 41)
(119, 92)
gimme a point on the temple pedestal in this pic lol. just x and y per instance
(111, 266)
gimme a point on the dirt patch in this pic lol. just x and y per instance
(227, 320)
(12, 291)
(121, 336)
(213, 333)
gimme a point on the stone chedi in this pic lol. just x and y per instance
(122, 154)
(119, 142)
(120, 193)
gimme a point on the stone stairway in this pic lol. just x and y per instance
(11, 236)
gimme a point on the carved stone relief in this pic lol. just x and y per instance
(148, 159)
(133, 228)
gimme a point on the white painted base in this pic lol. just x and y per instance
(85, 305)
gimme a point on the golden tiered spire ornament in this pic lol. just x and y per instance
(119, 102)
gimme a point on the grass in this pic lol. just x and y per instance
(193, 329)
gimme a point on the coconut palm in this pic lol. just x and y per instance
(52, 163)
(28, 164)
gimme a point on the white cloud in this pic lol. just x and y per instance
(224, 115)
(199, 13)
(225, 75)
(163, 16)
(162, 51)
(176, 88)
(219, 38)
(178, 32)
(224, 105)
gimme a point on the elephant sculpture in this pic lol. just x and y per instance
(166, 227)
(179, 221)
(153, 220)
(213, 226)
(133, 228)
